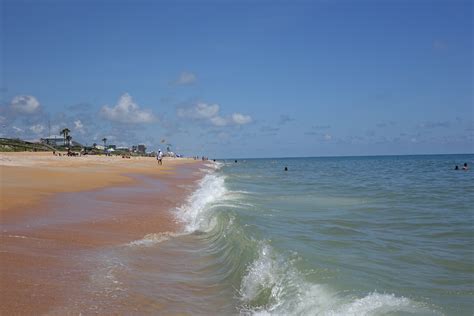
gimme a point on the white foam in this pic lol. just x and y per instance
(275, 281)
(17, 236)
(195, 212)
(214, 165)
(152, 239)
(268, 278)
(376, 303)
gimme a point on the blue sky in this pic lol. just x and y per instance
(242, 78)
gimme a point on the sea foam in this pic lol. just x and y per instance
(152, 239)
(195, 213)
(273, 286)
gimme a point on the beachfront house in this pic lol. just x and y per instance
(141, 149)
(54, 140)
(125, 149)
(58, 141)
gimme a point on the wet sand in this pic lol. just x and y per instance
(58, 213)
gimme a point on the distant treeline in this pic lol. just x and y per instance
(12, 144)
(18, 145)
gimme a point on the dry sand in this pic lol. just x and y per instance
(103, 201)
(27, 177)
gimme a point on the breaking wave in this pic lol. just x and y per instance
(265, 280)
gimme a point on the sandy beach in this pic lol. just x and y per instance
(29, 177)
(57, 211)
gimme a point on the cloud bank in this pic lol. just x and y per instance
(127, 111)
(209, 113)
(25, 104)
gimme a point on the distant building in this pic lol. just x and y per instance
(53, 140)
(141, 149)
(114, 147)
(123, 149)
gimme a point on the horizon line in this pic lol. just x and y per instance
(345, 156)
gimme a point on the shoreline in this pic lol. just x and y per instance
(48, 239)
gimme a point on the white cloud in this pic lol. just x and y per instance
(241, 119)
(127, 111)
(79, 126)
(186, 78)
(37, 129)
(25, 104)
(17, 129)
(56, 128)
(200, 111)
(210, 113)
(219, 121)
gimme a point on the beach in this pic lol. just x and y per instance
(377, 235)
(58, 212)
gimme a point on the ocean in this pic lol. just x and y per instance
(382, 235)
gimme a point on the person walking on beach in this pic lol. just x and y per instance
(159, 157)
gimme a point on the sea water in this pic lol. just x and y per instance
(388, 235)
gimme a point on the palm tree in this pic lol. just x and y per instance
(105, 142)
(68, 139)
(65, 132)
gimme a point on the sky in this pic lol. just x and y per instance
(242, 78)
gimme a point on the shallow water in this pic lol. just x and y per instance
(331, 236)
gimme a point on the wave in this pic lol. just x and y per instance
(196, 212)
(266, 282)
(214, 165)
(273, 286)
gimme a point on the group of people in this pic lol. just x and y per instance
(464, 167)
(69, 153)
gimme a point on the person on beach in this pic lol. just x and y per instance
(465, 167)
(159, 157)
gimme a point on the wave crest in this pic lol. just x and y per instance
(273, 286)
(195, 213)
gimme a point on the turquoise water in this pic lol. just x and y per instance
(330, 236)
(340, 236)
